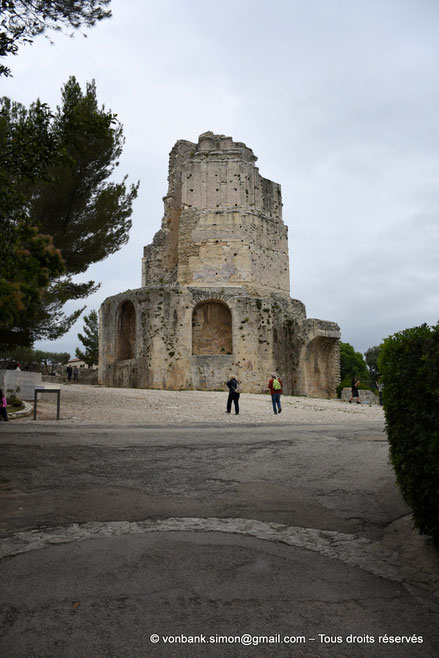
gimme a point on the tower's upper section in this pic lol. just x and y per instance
(221, 173)
(223, 221)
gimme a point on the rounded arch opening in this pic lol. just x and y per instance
(126, 331)
(212, 329)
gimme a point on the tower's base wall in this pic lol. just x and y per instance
(179, 337)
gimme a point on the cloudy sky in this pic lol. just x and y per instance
(337, 98)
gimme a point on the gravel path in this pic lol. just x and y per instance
(87, 404)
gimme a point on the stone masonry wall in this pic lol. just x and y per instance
(164, 340)
(223, 221)
(20, 381)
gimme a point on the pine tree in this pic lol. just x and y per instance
(87, 215)
(54, 171)
(90, 340)
(29, 261)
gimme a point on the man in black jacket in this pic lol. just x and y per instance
(232, 385)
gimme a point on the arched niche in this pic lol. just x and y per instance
(320, 367)
(126, 331)
(211, 329)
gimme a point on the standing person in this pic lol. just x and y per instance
(275, 388)
(3, 405)
(75, 373)
(355, 393)
(234, 393)
(69, 372)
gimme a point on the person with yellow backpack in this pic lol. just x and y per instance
(275, 388)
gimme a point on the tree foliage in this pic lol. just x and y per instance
(372, 355)
(23, 20)
(87, 216)
(352, 364)
(29, 258)
(33, 360)
(55, 175)
(409, 366)
(51, 362)
(90, 340)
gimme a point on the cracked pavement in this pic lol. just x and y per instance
(112, 533)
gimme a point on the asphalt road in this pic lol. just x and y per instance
(292, 539)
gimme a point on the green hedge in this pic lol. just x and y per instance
(409, 368)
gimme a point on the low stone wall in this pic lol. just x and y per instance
(85, 376)
(21, 382)
(366, 397)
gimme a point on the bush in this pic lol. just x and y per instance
(14, 402)
(409, 366)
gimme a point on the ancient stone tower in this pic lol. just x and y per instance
(215, 294)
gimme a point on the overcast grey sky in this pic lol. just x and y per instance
(337, 98)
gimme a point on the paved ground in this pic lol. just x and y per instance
(195, 539)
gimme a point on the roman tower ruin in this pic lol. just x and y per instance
(215, 294)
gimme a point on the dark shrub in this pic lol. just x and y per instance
(13, 401)
(409, 368)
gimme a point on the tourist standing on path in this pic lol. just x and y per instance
(234, 392)
(355, 393)
(75, 373)
(275, 388)
(3, 405)
(69, 372)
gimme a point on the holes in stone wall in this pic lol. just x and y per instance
(211, 329)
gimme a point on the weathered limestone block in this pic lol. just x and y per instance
(215, 297)
(21, 382)
(366, 397)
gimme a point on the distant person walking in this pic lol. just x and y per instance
(75, 373)
(234, 392)
(69, 372)
(275, 388)
(355, 392)
(3, 405)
